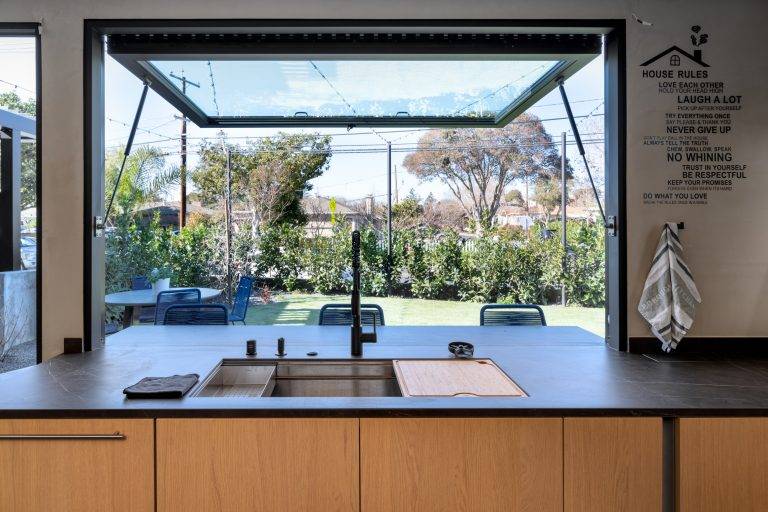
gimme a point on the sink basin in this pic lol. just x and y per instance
(254, 378)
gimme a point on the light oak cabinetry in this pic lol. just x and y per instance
(77, 465)
(612, 464)
(256, 465)
(461, 464)
(722, 464)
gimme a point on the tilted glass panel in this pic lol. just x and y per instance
(356, 88)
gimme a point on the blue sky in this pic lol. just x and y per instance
(351, 175)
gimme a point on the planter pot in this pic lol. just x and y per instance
(161, 285)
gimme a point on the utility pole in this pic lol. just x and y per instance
(397, 196)
(563, 215)
(389, 215)
(183, 169)
(228, 220)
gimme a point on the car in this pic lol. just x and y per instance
(29, 252)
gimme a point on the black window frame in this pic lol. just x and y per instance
(32, 29)
(614, 41)
(136, 52)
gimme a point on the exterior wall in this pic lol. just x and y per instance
(727, 244)
(17, 308)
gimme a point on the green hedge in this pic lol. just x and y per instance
(501, 266)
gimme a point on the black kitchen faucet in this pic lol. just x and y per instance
(358, 337)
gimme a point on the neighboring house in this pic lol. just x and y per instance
(518, 215)
(169, 212)
(320, 218)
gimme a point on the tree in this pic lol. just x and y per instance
(478, 165)
(408, 213)
(144, 177)
(548, 195)
(269, 176)
(514, 197)
(12, 101)
(444, 214)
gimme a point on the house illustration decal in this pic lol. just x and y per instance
(675, 52)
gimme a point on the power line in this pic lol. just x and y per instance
(494, 93)
(487, 143)
(342, 134)
(213, 88)
(410, 149)
(149, 130)
(165, 137)
(17, 86)
(341, 96)
(339, 149)
(560, 103)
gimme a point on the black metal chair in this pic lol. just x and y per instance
(512, 314)
(242, 298)
(146, 313)
(167, 298)
(341, 314)
(196, 314)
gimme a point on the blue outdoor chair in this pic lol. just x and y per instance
(341, 314)
(196, 314)
(242, 298)
(170, 297)
(146, 313)
(512, 314)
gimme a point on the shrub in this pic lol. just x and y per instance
(134, 250)
(244, 257)
(282, 254)
(328, 259)
(373, 264)
(503, 265)
(585, 278)
(486, 270)
(191, 256)
(438, 268)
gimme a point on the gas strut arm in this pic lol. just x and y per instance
(576, 135)
(128, 146)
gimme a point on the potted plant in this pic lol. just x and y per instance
(160, 277)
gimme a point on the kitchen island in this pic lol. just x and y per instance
(660, 429)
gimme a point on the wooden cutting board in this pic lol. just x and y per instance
(458, 377)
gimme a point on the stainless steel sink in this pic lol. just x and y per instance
(254, 378)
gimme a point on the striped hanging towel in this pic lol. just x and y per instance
(670, 296)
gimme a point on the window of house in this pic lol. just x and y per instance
(449, 165)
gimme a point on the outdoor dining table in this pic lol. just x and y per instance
(132, 299)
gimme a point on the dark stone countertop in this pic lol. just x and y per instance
(564, 370)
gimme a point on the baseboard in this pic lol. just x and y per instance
(750, 346)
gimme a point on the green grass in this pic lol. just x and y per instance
(304, 309)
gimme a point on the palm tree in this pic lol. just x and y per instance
(144, 178)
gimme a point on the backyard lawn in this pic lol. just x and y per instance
(296, 308)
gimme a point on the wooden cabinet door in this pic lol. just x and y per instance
(461, 464)
(613, 464)
(255, 465)
(722, 464)
(45, 468)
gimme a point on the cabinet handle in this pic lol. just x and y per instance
(117, 436)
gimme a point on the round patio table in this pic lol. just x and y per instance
(137, 298)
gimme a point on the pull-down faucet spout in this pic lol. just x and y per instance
(357, 336)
